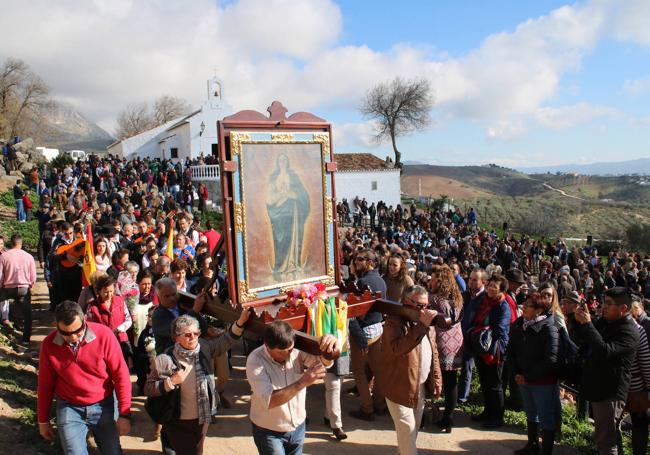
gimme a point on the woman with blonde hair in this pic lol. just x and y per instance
(396, 277)
(445, 297)
(548, 293)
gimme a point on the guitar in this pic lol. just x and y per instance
(71, 254)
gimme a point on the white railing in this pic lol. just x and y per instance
(205, 172)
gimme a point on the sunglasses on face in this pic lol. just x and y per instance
(190, 335)
(72, 333)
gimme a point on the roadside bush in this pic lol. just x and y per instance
(637, 237)
(28, 230)
(7, 198)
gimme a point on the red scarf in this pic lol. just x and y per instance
(483, 311)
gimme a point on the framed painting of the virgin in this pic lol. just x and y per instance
(282, 211)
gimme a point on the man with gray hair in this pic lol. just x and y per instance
(161, 268)
(169, 309)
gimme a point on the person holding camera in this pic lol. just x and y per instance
(611, 344)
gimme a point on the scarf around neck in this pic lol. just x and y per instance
(192, 357)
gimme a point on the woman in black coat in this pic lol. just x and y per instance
(533, 355)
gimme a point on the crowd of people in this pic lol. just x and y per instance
(526, 315)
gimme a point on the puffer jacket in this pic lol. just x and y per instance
(533, 352)
(398, 379)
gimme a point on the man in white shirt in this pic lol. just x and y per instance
(279, 375)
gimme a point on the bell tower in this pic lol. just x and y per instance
(215, 93)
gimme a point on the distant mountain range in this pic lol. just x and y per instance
(68, 129)
(639, 166)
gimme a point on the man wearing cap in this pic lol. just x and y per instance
(611, 342)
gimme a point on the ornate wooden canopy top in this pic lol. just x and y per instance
(277, 116)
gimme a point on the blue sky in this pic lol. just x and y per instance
(518, 83)
(459, 27)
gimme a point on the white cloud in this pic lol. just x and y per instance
(628, 20)
(564, 117)
(506, 130)
(347, 135)
(637, 86)
(103, 55)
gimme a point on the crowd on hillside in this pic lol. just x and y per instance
(524, 314)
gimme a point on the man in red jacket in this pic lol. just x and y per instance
(81, 364)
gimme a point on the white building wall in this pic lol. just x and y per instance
(360, 183)
(178, 138)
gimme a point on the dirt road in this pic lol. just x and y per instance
(232, 432)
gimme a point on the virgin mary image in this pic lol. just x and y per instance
(287, 204)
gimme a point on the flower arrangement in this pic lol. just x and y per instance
(306, 295)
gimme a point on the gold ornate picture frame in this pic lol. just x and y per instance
(282, 212)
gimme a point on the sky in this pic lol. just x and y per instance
(515, 83)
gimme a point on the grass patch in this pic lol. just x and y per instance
(576, 433)
(18, 389)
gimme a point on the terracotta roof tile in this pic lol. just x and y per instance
(360, 162)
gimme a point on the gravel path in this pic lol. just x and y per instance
(232, 432)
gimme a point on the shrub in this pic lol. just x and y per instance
(637, 237)
(61, 160)
(28, 230)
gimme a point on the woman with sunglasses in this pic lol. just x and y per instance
(188, 365)
(533, 355)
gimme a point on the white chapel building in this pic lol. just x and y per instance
(366, 176)
(184, 137)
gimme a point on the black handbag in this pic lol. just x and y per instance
(167, 407)
(481, 339)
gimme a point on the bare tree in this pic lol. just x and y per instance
(24, 99)
(400, 107)
(168, 108)
(134, 119)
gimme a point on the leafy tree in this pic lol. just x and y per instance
(400, 107)
(61, 160)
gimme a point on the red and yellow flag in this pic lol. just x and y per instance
(170, 240)
(89, 265)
